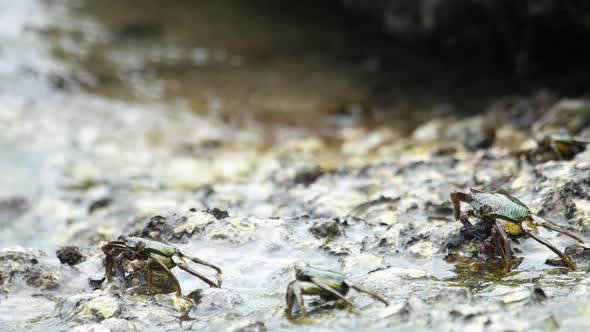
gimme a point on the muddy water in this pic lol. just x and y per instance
(112, 113)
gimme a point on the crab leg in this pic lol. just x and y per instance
(184, 266)
(327, 288)
(108, 266)
(294, 293)
(149, 277)
(173, 279)
(109, 252)
(554, 227)
(197, 260)
(200, 261)
(561, 255)
(468, 226)
(503, 245)
(119, 267)
(366, 291)
(457, 198)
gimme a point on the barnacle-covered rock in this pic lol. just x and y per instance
(181, 227)
(69, 255)
(130, 311)
(326, 229)
(23, 265)
(215, 299)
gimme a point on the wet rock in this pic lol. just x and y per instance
(99, 204)
(215, 298)
(96, 282)
(559, 202)
(98, 309)
(580, 254)
(388, 277)
(493, 170)
(70, 255)
(386, 241)
(308, 176)
(326, 229)
(20, 264)
(423, 249)
(43, 279)
(517, 296)
(91, 328)
(360, 142)
(182, 304)
(430, 131)
(252, 327)
(507, 294)
(568, 116)
(118, 324)
(518, 112)
(381, 211)
(362, 262)
(236, 230)
(124, 312)
(180, 227)
(336, 248)
(539, 294)
(475, 133)
(217, 213)
(393, 310)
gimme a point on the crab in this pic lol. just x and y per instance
(159, 256)
(329, 285)
(508, 216)
(556, 146)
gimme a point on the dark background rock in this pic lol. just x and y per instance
(524, 36)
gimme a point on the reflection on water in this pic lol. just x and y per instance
(297, 64)
(277, 62)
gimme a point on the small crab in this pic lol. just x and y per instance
(556, 146)
(329, 285)
(160, 256)
(508, 216)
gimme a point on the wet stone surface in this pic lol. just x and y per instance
(69, 255)
(383, 217)
(20, 267)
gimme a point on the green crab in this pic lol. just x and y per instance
(557, 146)
(329, 285)
(159, 256)
(508, 217)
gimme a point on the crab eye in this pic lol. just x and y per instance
(140, 245)
(485, 209)
(299, 267)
